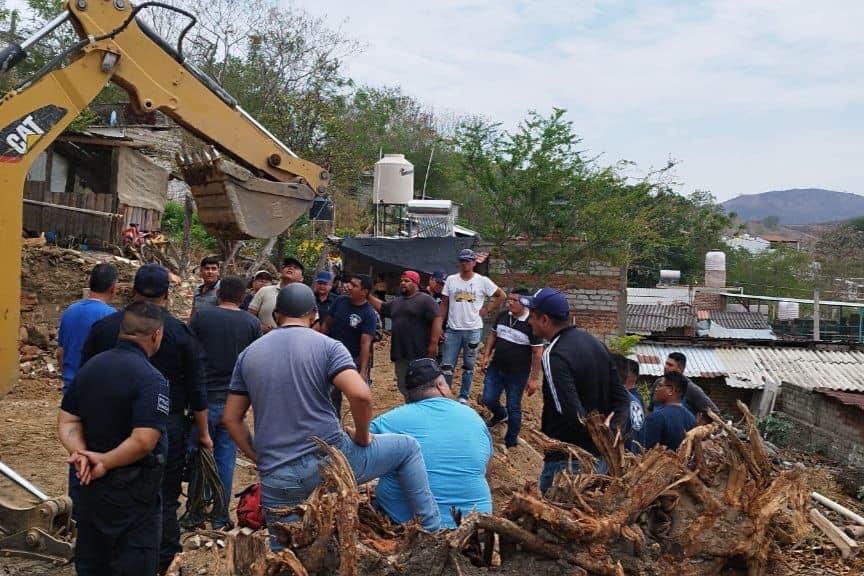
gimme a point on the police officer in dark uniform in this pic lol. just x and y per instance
(112, 422)
(180, 361)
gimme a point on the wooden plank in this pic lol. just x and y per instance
(846, 545)
(837, 507)
(72, 209)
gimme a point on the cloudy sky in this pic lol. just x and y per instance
(749, 95)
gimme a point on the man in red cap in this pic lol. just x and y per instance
(416, 325)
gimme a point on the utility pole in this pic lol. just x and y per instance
(816, 315)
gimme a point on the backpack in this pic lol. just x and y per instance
(249, 512)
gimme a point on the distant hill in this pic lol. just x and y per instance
(798, 206)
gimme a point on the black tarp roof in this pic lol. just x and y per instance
(424, 255)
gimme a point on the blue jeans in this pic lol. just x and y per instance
(225, 454)
(467, 341)
(292, 483)
(513, 385)
(550, 469)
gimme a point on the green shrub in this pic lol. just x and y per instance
(172, 226)
(775, 428)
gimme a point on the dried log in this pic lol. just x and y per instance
(337, 474)
(243, 547)
(757, 447)
(610, 446)
(753, 466)
(277, 564)
(533, 543)
(546, 444)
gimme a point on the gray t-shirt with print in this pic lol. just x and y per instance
(288, 376)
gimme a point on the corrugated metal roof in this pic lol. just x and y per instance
(750, 367)
(645, 319)
(723, 333)
(740, 320)
(849, 398)
(659, 296)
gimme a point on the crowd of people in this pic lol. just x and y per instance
(142, 389)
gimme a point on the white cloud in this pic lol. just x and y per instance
(721, 85)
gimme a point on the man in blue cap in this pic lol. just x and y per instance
(579, 378)
(324, 296)
(467, 298)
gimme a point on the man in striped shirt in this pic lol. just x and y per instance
(579, 378)
(514, 365)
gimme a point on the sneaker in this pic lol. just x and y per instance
(463, 400)
(494, 421)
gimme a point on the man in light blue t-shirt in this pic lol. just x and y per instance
(77, 319)
(457, 470)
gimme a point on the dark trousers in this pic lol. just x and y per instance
(174, 460)
(119, 528)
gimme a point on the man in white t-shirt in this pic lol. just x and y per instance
(264, 301)
(463, 303)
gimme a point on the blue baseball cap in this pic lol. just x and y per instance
(439, 275)
(549, 301)
(467, 255)
(151, 281)
(324, 276)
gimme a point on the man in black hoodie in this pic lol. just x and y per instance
(579, 378)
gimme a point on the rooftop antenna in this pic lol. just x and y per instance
(428, 167)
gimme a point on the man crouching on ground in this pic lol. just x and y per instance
(287, 377)
(457, 470)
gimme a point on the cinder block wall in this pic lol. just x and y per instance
(823, 423)
(594, 294)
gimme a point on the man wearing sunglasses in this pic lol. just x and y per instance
(579, 378)
(669, 422)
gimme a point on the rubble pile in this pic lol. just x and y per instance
(717, 504)
(54, 277)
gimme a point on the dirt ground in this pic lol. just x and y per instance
(53, 279)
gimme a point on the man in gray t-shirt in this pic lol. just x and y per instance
(287, 377)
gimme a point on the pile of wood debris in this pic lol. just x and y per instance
(717, 504)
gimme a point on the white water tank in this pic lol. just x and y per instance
(715, 269)
(669, 277)
(788, 310)
(393, 181)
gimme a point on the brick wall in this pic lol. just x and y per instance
(823, 424)
(724, 396)
(594, 294)
(706, 300)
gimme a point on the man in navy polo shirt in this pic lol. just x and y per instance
(180, 361)
(112, 422)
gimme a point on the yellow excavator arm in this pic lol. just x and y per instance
(259, 201)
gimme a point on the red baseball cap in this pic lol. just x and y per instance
(412, 275)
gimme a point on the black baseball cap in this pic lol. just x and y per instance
(291, 260)
(152, 281)
(421, 371)
(549, 301)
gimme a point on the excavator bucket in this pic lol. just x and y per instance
(235, 205)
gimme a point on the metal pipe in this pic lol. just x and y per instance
(265, 131)
(45, 30)
(22, 482)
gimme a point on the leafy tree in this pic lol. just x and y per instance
(780, 272)
(545, 207)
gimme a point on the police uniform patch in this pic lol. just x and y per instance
(162, 403)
